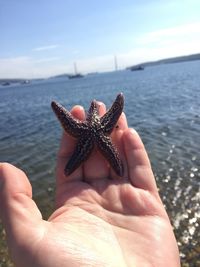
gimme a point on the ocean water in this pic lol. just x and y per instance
(162, 103)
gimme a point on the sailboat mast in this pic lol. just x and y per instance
(75, 68)
(115, 63)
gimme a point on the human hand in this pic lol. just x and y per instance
(100, 220)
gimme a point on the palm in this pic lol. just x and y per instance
(121, 233)
(101, 220)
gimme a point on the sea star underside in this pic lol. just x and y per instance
(95, 130)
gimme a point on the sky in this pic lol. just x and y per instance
(42, 38)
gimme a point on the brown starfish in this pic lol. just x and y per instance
(93, 131)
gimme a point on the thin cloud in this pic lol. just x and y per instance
(14, 67)
(44, 60)
(27, 67)
(45, 48)
(184, 31)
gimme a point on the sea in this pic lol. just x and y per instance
(161, 102)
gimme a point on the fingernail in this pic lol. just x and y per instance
(77, 107)
(99, 103)
(133, 131)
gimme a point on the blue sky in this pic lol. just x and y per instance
(43, 38)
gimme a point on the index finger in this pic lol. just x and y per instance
(139, 167)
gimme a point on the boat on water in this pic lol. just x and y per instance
(25, 82)
(135, 68)
(76, 74)
(5, 83)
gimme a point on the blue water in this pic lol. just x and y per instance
(162, 103)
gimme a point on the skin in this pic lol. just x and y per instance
(100, 219)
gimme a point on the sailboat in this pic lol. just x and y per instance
(76, 74)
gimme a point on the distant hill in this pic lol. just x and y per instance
(167, 61)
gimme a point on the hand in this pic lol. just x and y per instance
(100, 220)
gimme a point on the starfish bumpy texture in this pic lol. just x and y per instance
(95, 130)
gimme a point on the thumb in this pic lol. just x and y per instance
(18, 211)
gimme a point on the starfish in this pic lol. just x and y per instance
(94, 131)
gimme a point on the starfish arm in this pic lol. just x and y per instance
(93, 110)
(110, 118)
(110, 152)
(92, 115)
(72, 126)
(81, 153)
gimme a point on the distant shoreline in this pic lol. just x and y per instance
(193, 57)
(167, 61)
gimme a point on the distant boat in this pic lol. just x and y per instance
(25, 82)
(135, 68)
(76, 74)
(5, 84)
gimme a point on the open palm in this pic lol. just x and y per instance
(100, 220)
